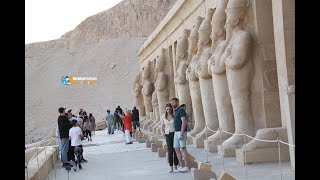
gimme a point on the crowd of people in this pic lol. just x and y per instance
(71, 131)
(127, 122)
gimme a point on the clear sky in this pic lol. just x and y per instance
(49, 19)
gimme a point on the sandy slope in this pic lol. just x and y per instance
(44, 92)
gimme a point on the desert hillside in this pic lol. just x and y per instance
(102, 46)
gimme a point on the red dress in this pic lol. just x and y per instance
(127, 122)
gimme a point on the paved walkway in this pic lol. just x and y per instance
(109, 159)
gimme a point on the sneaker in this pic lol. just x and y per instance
(178, 170)
(185, 169)
(67, 164)
(80, 167)
(83, 160)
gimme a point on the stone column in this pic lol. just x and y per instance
(219, 79)
(194, 83)
(180, 77)
(284, 35)
(239, 69)
(205, 79)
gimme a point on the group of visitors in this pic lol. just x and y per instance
(127, 122)
(72, 130)
(174, 127)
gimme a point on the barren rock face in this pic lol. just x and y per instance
(103, 46)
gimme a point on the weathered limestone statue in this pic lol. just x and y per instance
(148, 88)
(137, 94)
(219, 78)
(155, 106)
(180, 80)
(195, 94)
(205, 80)
(237, 58)
(161, 84)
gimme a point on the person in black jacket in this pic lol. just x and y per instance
(64, 126)
(135, 118)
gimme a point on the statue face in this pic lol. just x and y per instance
(192, 45)
(231, 23)
(204, 37)
(217, 31)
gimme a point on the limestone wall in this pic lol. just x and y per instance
(273, 68)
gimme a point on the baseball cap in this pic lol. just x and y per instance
(68, 109)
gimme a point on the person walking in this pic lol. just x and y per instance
(87, 129)
(116, 119)
(167, 120)
(110, 122)
(127, 122)
(92, 121)
(180, 135)
(64, 125)
(135, 119)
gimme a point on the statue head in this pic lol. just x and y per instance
(217, 24)
(146, 72)
(236, 11)
(161, 60)
(205, 30)
(193, 38)
(182, 46)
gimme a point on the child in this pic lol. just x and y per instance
(75, 135)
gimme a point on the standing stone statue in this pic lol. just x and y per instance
(205, 80)
(180, 80)
(193, 56)
(137, 94)
(155, 106)
(237, 58)
(219, 78)
(148, 88)
(161, 84)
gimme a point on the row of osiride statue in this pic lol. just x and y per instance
(213, 78)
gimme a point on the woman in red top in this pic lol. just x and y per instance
(127, 123)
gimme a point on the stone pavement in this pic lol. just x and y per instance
(109, 158)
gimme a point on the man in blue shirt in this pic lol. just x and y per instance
(180, 134)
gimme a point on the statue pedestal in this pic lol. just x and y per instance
(226, 152)
(263, 155)
(189, 140)
(212, 144)
(198, 174)
(198, 141)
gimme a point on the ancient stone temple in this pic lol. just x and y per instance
(232, 63)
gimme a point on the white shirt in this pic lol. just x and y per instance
(74, 133)
(169, 127)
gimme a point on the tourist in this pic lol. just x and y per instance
(168, 130)
(187, 117)
(75, 135)
(110, 122)
(180, 135)
(127, 122)
(87, 129)
(64, 125)
(70, 153)
(92, 121)
(135, 118)
(116, 119)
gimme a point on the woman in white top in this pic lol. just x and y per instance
(168, 130)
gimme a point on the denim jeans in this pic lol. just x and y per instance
(64, 149)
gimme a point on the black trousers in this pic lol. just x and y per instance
(70, 152)
(172, 156)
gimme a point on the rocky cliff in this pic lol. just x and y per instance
(103, 46)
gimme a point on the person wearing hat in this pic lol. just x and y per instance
(64, 125)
